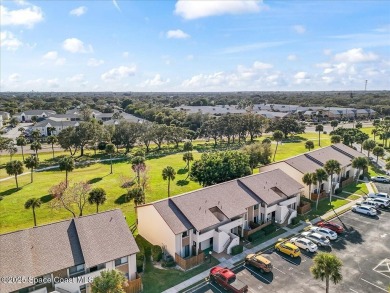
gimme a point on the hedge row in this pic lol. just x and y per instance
(237, 249)
(156, 253)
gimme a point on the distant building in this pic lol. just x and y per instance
(5, 115)
(26, 116)
(44, 127)
(68, 254)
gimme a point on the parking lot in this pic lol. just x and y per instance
(364, 249)
(383, 187)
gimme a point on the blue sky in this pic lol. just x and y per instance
(199, 45)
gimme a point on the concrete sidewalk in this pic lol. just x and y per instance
(231, 261)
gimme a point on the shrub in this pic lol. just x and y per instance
(338, 190)
(140, 262)
(269, 229)
(168, 263)
(256, 235)
(147, 251)
(325, 132)
(380, 144)
(237, 249)
(295, 221)
(156, 253)
(361, 177)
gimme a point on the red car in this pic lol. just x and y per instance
(331, 226)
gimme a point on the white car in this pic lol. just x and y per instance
(381, 202)
(316, 238)
(304, 243)
(331, 235)
(380, 195)
(382, 179)
(364, 209)
(369, 202)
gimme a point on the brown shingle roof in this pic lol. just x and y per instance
(303, 164)
(172, 216)
(92, 239)
(325, 154)
(347, 150)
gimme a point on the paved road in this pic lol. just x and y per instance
(14, 133)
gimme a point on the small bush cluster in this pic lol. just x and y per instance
(237, 249)
(256, 235)
(269, 229)
(295, 221)
(338, 190)
(156, 253)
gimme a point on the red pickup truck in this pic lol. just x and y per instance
(227, 280)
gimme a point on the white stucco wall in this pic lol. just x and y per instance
(227, 227)
(220, 238)
(153, 228)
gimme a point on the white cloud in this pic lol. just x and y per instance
(252, 47)
(53, 83)
(299, 29)
(356, 55)
(156, 81)
(292, 57)
(27, 17)
(119, 73)
(327, 52)
(78, 11)
(190, 57)
(177, 34)
(75, 45)
(116, 5)
(77, 78)
(197, 9)
(53, 56)
(9, 41)
(15, 77)
(95, 62)
(301, 77)
(261, 66)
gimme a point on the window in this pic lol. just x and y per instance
(256, 207)
(185, 234)
(76, 270)
(120, 261)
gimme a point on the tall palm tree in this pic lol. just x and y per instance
(309, 145)
(309, 179)
(375, 132)
(368, 145)
(277, 136)
(321, 176)
(332, 167)
(335, 139)
(66, 164)
(168, 173)
(33, 203)
(188, 157)
(14, 168)
(52, 140)
(35, 146)
(31, 163)
(327, 266)
(360, 163)
(378, 151)
(334, 123)
(97, 196)
(12, 150)
(21, 130)
(319, 129)
(110, 149)
(138, 165)
(21, 141)
(137, 195)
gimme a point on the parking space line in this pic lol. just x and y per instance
(373, 285)
(288, 260)
(215, 287)
(279, 270)
(261, 277)
(353, 290)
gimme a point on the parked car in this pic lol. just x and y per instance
(259, 261)
(381, 179)
(288, 248)
(368, 202)
(332, 226)
(364, 209)
(304, 243)
(379, 194)
(331, 235)
(316, 238)
(227, 280)
(381, 202)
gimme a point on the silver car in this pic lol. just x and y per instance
(316, 238)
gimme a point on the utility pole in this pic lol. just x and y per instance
(365, 86)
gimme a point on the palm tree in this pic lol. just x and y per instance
(319, 128)
(12, 150)
(188, 157)
(36, 134)
(368, 145)
(378, 152)
(52, 140)
(66, 164)
(327, 266)
(334, 123)
(375, 132)
(332, 167)
(138, 165)
(97, 196)
(168, 174)
(35, 146)
(110, 149)
(137, 195)
(335, 139)
(309, 145)
(21, 130)
(21, 141)
(277, 136)
(33, 203)
(309, 179)
(187, 146)
(14, 168)
(360, 163)
(31, 163)
(321, 176)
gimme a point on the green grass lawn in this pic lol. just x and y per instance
(324, 206)
(349, 196)
(359, 188)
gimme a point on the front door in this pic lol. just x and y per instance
(186, 251)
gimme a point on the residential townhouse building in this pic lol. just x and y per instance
(45, 127)
(68, 254)
(216, 217)
(26, 116)
(309, 162)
